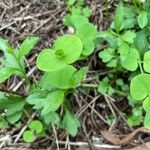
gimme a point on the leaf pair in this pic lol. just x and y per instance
(67, 49)
(36, 127)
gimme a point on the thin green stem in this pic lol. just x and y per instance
(141, 69)
(120, 93)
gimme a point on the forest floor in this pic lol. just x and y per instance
(43, 18)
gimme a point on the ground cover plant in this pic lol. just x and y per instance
(126, 56)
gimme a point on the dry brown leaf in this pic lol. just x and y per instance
(124, 139)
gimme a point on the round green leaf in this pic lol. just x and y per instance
(146, 62)
(130, 61)
(36, 126)
(48, 61)
(29, 136)
(86, 32)
(71, 46)
(139, 87)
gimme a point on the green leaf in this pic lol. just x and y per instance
(109, 37)
(119, 16)
(5, 73)
(61, 78)
(78, 76)
(124, 50)
(3, 123)
(51, 117)
(13, 62)
(129, 36)
(146, 104)
(36, 126)
(142, 19)
(86, 12)
(54, 100)
(76, 10)
(141, 41)
(47, 104)
(139, 87)
(71, 46)
(13, 118)
(147, 120)
(107, 54)
(48, 61)
(134, 120)
(75, 20)
(44, 82)
(112, 63)
(28, 136)
(146, 61)
(5, 47)
(88, 48)
(27, 45)
(103, 86)
(129, 22)
(130, 61)
(86, 32)
(70, 123)
(15, 104)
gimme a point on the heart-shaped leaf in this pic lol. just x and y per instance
(139, 87)
(130, 61)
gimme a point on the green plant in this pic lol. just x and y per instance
(35, 129)
(49, 97)
(128, 51)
